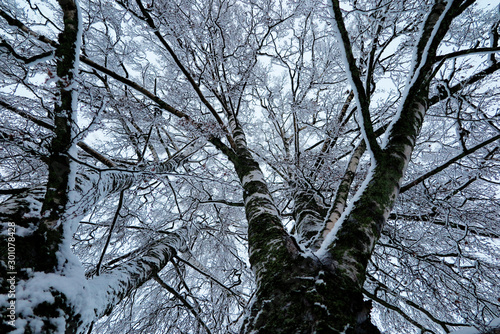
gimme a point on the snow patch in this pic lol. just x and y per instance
(38, 289)
(264, 210)
(466, 331)
(257, 195)
(346, 328)
(323, 307)
(253, 176)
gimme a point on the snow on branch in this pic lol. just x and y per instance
(116, 282)
(94, 185)
(354, 76)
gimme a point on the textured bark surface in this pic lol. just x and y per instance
(56, 198)
(309, 214)
(306, 296)
(340, 201)
(295, 293)
(125, 278)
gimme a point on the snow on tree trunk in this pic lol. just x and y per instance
(309, 215)
(45, 227)
(296, 293)
(117, 282)
(54, 301)
(291, 298)
(304, 295)
(52, 293)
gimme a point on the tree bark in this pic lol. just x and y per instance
(306, 296)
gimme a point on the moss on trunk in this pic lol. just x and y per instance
(306, 296)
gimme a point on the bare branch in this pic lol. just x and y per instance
(448, 163)
(354, 75)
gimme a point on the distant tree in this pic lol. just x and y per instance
(350, 148)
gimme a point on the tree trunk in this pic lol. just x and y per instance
(306, 296)
(296, 292)
(43, 298)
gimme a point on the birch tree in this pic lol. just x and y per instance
(249, 166)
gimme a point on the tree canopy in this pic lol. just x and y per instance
(252, 166)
